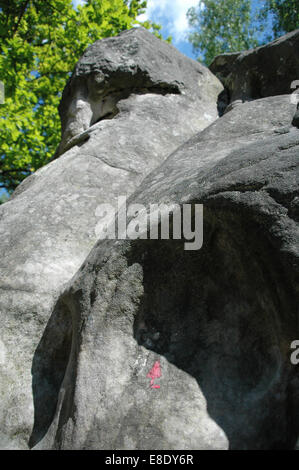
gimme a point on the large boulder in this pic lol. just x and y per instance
(268, 70)
(217, 323)
(131, 101)
(134, 63)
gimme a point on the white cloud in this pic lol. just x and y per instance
(78, 2)
(170, 13)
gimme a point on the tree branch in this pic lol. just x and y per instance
(15, 29)
(16, 170)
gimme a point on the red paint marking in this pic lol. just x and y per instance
(155, 373)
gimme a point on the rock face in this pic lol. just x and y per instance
(216, 324)
(134, 63)
(265, 71)
(219, 321)
(131, 101)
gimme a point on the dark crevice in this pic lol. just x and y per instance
(48, 370)
(123, 94)
(106, 116)
(286, 201)
(223, 102)
(242, 188)
(255, 86)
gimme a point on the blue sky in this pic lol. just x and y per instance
(171, 14)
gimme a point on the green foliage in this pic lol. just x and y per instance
(3, 198)
(40, 43)
(221, 26)
(285, 15)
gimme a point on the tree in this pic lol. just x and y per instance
(221, 26)
(285, 14)
(40, 43)
(3, 198)
(231, 25)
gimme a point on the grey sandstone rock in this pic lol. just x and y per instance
(158, 99)
(134, 62)
(265, 71)
(219, 320)
(84, 330)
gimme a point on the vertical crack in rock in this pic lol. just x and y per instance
(48, 370)
(295, 121)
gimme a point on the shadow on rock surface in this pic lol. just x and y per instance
(226, 315)
(48, 369)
